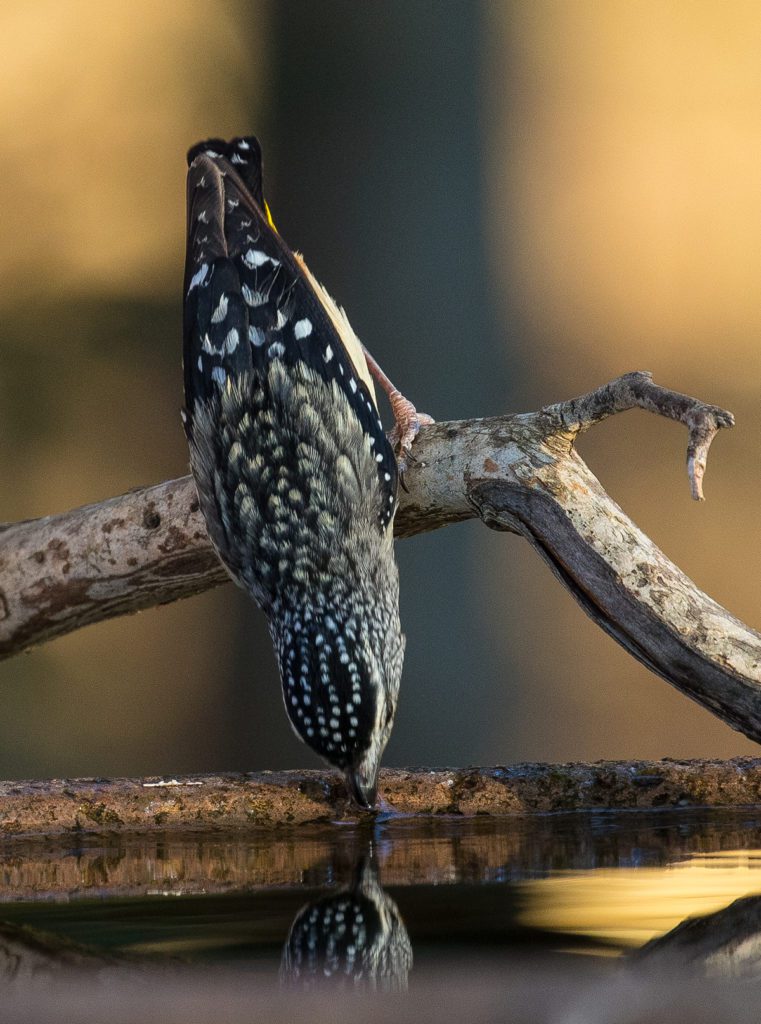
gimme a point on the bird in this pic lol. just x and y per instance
(296, 478)
(352, 939)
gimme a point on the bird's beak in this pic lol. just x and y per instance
(363, 790)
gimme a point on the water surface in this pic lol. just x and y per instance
(400, 905)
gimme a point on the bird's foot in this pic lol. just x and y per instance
(408, 422)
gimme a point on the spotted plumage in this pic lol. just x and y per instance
(354, 938)
(295, 476)
(243, 283)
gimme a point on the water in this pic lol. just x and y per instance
(535, 918)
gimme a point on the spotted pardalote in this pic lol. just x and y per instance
(296, 478)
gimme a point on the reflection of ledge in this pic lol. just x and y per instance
(266, 799)
(411, 852)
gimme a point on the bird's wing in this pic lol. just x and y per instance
(249, 298)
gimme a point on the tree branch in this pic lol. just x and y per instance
(519, 473)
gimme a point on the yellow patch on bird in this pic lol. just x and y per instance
(270, 221)
(349, 339)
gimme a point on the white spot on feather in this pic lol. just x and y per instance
(221, 311)
(256, 335)
(231, 341)
(253, 298)
(218, 375)
(256, 258)
(328, 354)
(302, 328)
(199, 277)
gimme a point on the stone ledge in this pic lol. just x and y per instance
(242, 801)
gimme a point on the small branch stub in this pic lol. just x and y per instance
(638, 390)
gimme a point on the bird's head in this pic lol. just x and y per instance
(354, 937)
(341, 664)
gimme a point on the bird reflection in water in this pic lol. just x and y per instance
(352, 939)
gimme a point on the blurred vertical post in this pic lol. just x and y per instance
(377, 132)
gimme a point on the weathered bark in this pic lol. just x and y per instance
(519, 473)
(144, 548)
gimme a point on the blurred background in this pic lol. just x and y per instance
(515, 202)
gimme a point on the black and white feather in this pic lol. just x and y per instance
(296, 478)
(249, 299)
(353, 939)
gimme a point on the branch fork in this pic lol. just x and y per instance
(637, 390)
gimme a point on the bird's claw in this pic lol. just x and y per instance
(408, 424)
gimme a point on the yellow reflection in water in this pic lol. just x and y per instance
(629, 906)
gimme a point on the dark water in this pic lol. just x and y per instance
(549, 912)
